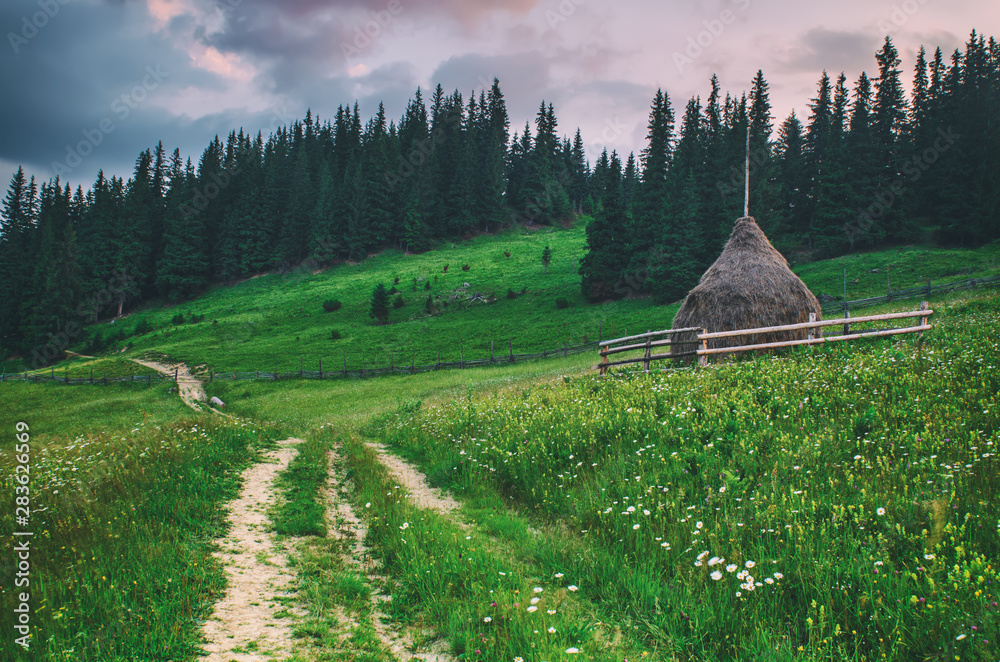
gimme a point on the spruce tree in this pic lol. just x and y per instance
(380, 305)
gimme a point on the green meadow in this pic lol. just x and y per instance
(828, 503)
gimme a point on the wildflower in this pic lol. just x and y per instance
(368, 505)
(645, 512)
(572, 651)
(960, 637)
(722, 489)
(768, 580)
(778, 576)
(534, 601)
(716, 575)
(715, 560)
(573, 587)
(558, 575)
(538, 589)
(488, 619)
(635, 527)
(698, 525)
(518, 659)
(731, 567)
(665, 544)
(552, 630)
(532, 608)
(929, 557)
(739, 593)
(406, 525)
(749, 564)
(551, 612)
(880, 511)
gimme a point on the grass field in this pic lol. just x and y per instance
(274, 321)
(854, 484)
(828, 504)
(124, 495)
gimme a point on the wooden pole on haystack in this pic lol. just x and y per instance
(746, 186)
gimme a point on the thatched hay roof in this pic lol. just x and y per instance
(748, 286)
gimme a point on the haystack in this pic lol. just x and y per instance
(749, 286)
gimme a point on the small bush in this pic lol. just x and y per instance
(427, 285)
(446, 268)
(335, 334)
(197, 318)
(396, 281)
(178, 318)
(398, 302)
(393, 290)
(465, 267)
(142, 328)
(562, 302)
(330, 305)
(511, 294)
(429, 305)
(507, 254)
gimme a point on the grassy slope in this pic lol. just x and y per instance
(272, 321)
(862, 475)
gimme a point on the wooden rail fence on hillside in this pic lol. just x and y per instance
(815, 337)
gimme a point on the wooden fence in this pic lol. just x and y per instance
(911, 293)
(325, 368)
(816, 336)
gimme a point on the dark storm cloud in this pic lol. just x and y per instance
(832, 50)
(87, 91)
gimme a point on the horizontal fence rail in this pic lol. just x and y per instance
(911, 293)
(343, 372)
(816, 336)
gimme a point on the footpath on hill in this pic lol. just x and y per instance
(188, 386)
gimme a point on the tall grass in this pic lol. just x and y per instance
(834, 503)
(121, 566)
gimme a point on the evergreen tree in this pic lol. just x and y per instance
(380, 305)
(607, 254)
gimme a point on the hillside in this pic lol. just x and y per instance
(272, 321)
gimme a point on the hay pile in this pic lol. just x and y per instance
(748, 286)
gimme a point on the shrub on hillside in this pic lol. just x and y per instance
(335, 334)
(511, 294)
(398, 302)
(465, 267)
(142, 328)
(178, 318)
(562, 302)
(330, 305)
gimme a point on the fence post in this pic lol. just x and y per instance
(91, 374)
(510, 345)
(211, 375)
(599, 331)
(362, 368)
(53, 373)
(438, 367)
(604, 359)
(703, 359)
(847, 326)
(345, 363)
(321, 368)
(300, 368)
(645, 363)
(565, 350)
(413, 364)
(922, 320)
(275, 374)
(461, 353)
(929, 287)
(491, 351)
(175, 375)
(812, 330)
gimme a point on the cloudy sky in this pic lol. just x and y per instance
(88, 84)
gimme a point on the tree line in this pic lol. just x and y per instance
(316, 191)
(870, 166)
